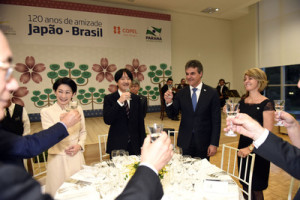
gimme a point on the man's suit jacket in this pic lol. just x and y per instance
(144, 184)
(282, 154)
(14, 146)
(205, 122)
(144, 104)
(16, 184)
(224, 90)
(121, 128)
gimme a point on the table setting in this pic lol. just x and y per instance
(182, 178)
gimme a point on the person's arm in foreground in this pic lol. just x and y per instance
(268, 145)
(145, 183)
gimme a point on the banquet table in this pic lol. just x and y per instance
(186, 178)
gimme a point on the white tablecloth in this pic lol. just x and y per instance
(185, 179)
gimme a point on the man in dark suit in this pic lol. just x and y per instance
(134, 88)
(122, 111)
(270, 146)
(199, 130)
(222, 91)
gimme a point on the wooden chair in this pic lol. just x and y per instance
(162, 103)
(39, 165)
(174, 140)
(291, 188)
(102, 139)
(229, 165)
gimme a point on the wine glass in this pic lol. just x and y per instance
(279, 106)
(72, 105)
(155, 131)
(128, 90)
(170, 88)
(231, 110)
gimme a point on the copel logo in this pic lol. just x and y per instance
(125, 31)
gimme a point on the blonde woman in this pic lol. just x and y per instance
(262, 110)
(66, 157)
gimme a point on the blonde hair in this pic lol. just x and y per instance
(258, 75)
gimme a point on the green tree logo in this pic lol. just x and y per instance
(42, 100)
(91, 96)
(150, 94)
(159, 75)
(80, 76)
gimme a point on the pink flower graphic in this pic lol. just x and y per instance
(16, 95)
(104, 70)
(30, 70)
(112, 88)
(137, 69)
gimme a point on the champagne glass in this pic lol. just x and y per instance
(231, 110)
(72, 105)
(170, 88)
(155, 131)
(128, 90)
(279, 106)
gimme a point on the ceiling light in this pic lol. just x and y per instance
(210, 10)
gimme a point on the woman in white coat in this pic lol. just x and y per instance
(66, 157)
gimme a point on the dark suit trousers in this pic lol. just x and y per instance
(194, 150)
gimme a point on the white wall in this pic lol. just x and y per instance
(244, 33)
(207, 39)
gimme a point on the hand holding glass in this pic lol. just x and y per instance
(279, 106)
(155, 131)
(231, 110)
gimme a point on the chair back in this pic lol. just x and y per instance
(102, 139)
(162, 103)
(174, 139)
(39, 165)
(229, 164)
(292, 187)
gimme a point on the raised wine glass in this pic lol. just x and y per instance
(155, 131)
(279, 106)
(231, 110)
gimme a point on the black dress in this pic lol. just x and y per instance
(261, 166)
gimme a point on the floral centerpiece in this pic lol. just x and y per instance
(132, 168)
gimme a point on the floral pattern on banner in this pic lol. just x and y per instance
(18, 94)
(30, 70)
(112, 88)
(104, 70)
(136, 69)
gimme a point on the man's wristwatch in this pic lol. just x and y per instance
(251, 147)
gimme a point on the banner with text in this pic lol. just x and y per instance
(89, 47)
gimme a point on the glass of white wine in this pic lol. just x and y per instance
(155, 131)
(279, 106)
(232, 110)
(72, 106)
(128, 90)
(170, 88)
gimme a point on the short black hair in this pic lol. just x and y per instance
(66, 81)
(194, 64)
(119, 74)
(221, 80)
(169, 79)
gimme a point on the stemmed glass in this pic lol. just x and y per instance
(155, 131)
(170, 88)
(72, 106)
(128, 90)
(279, 106)
(231, 110)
